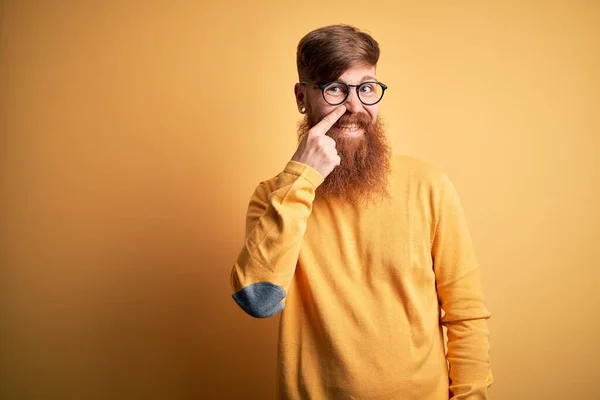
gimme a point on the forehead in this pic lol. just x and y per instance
(358, 73)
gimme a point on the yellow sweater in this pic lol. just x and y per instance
(362, 289)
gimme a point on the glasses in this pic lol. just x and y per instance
(337, 92)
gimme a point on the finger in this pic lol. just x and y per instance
(329, 149)
(326, 141)
(337, 160)
(327, 122)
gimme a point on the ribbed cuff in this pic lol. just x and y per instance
(305, 171)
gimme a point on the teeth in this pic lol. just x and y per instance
(349, 127)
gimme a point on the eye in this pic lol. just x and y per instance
(335, 88)
(367, 88)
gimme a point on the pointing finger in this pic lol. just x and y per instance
(327, 122)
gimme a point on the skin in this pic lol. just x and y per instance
(317, 150)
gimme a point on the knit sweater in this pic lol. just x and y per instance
(365, 290)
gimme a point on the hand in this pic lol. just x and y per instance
(318, 150)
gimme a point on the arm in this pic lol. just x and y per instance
(276, 223)
(275, 226)
(459, 287)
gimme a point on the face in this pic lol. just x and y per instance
(317, 108)
(359, 136)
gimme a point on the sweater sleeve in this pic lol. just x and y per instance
(459, 287)
(275, 225)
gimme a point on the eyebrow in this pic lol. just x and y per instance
(365, 78)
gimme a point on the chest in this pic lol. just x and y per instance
(385, 242)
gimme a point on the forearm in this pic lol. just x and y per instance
(276, 224)
(466, 318)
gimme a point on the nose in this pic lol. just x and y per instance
(353, 103)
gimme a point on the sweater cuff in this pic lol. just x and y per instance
(305, 171)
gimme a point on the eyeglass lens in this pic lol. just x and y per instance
(368, 92)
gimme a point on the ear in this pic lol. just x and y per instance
(300, 94)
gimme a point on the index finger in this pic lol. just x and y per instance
(327, 122)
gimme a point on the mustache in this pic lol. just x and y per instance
(361, 119)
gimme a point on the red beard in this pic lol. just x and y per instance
(365, 160)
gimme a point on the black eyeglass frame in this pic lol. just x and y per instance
(348, 86)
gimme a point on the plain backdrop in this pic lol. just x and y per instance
(133, 134)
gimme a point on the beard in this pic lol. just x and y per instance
(365, 160)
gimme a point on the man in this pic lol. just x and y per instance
(361, 250)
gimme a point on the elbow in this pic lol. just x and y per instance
(260, 299)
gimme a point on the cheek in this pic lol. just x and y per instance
(318, 112)
(314, 117)
(373, 114)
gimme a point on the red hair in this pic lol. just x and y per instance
(326, 53)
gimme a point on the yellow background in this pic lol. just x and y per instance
(133, 134)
